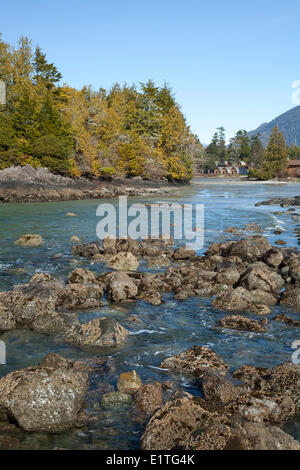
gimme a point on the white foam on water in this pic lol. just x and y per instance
(5, 266)
(157, 368)
(159, 352)
(140, 332)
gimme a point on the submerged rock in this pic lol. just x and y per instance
(195, 361)
(285, 319)
(129, 382)
(114, 400)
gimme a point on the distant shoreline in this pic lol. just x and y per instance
(207, 179)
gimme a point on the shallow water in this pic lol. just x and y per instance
(164, 330)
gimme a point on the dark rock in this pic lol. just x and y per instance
(273, 257)
(238, 322)
(291, 298)
(183, 253)
(285, 319)
(149, 397)
(249, 249)
(219, 388)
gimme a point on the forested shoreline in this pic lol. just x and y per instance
(125, 131)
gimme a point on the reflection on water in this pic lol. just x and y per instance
(164, 330)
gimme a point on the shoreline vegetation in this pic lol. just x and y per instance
(128, 140)
(126, 131)
(26, 184)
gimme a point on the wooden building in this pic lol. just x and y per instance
(293, 168)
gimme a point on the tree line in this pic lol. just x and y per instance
(263, 163)
(125, 131)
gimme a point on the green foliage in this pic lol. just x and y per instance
(275, 156)
(294, 152)
(257, 152)
(44, 71)
(107, 171)
(131, 162)
(239, 148)
(129, 130)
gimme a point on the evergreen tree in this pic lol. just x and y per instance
(126, 130)
(44, 71)
(275, 156)
(239, 147)
(257, 152)
(294, 152)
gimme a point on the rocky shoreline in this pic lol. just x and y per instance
(25, 184)
(235, 409)
(279, 201)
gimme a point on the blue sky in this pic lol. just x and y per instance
(230, 63)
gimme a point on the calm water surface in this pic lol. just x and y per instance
(164, 330)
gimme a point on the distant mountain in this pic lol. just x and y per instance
(288, 123)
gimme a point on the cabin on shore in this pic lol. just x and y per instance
(228, 169)
(293, 168)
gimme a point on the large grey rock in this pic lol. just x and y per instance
(233, 299)
(44, 399)
(249, 249)
(120, 287)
